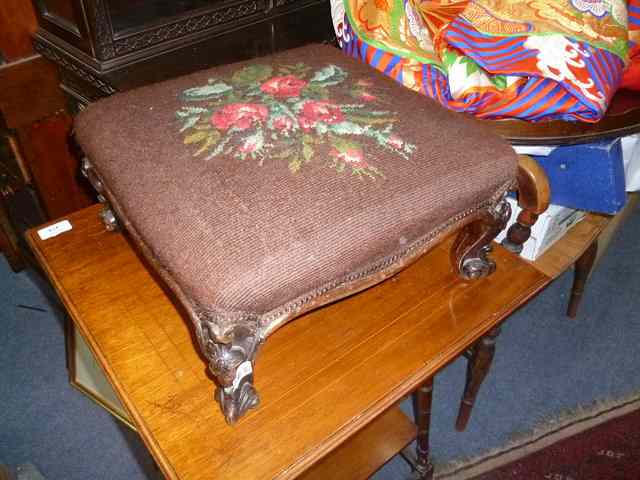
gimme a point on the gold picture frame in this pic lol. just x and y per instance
(86, 375)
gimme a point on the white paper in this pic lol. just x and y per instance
(533, 150)
(631, 159)
(54, 230)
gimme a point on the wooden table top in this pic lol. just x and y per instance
(322, 377)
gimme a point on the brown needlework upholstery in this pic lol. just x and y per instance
(259, 186)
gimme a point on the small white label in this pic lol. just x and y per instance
(54, 230)
(243, 370)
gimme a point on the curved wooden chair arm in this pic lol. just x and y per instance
(533, 198)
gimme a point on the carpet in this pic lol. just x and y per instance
(545, 366)
(610, 450)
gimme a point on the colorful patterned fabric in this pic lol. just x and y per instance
(527, 59)
(631, 78)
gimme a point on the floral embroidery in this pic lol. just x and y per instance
(289, 115)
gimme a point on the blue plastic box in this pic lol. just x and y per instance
(588, 176)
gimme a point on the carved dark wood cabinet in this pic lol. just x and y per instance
(103, 46)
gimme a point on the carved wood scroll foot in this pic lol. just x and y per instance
(469, 254)
(231, 357)
(106, 213)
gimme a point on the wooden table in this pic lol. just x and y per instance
(334, 374)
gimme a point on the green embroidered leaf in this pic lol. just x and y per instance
(294, 164)
(347, 128)
(190, 122)
(212, 139)
(371, 120)
(315, 91)
(195, 137)
(299, 70)
(189, 111)
(286, 153)
(252, 74)
(203, 126)
(207, 92)
(307, 152)
(342, 145)
(329, 75)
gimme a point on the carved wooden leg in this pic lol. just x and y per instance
(231, 355)
(582, 269)
(422, 409)
(533, 198)
(473, 243)
(480, 359)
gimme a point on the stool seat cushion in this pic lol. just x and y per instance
(259, 187)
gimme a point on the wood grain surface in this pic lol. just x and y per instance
(322, 377)
(17, 23)
(53, 166)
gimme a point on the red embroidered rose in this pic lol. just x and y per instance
(354, 156)
(395, 141)
(239, 115)
(319, 111)
(283, 87)
(367, 97)
(283, 123)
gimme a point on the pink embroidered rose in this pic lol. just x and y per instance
(354, 156)
(314, 111)
(367, 97)
(251, 144)
(395, 141)
(283, 123)
(239, 115)
(283, 87)
(248, 146)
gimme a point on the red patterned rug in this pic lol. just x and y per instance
(609, 451)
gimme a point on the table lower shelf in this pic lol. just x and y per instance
(368, 450)
(358, 458)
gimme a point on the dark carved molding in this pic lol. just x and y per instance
(53, 54)
(103, 31)
(188, 26)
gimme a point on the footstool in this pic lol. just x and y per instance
(261, 190)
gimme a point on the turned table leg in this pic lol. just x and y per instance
(480, 359)
(582, 269)
(533, 199)
(422, 408)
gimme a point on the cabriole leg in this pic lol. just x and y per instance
(231, 358)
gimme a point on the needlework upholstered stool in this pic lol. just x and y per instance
(264, 189)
